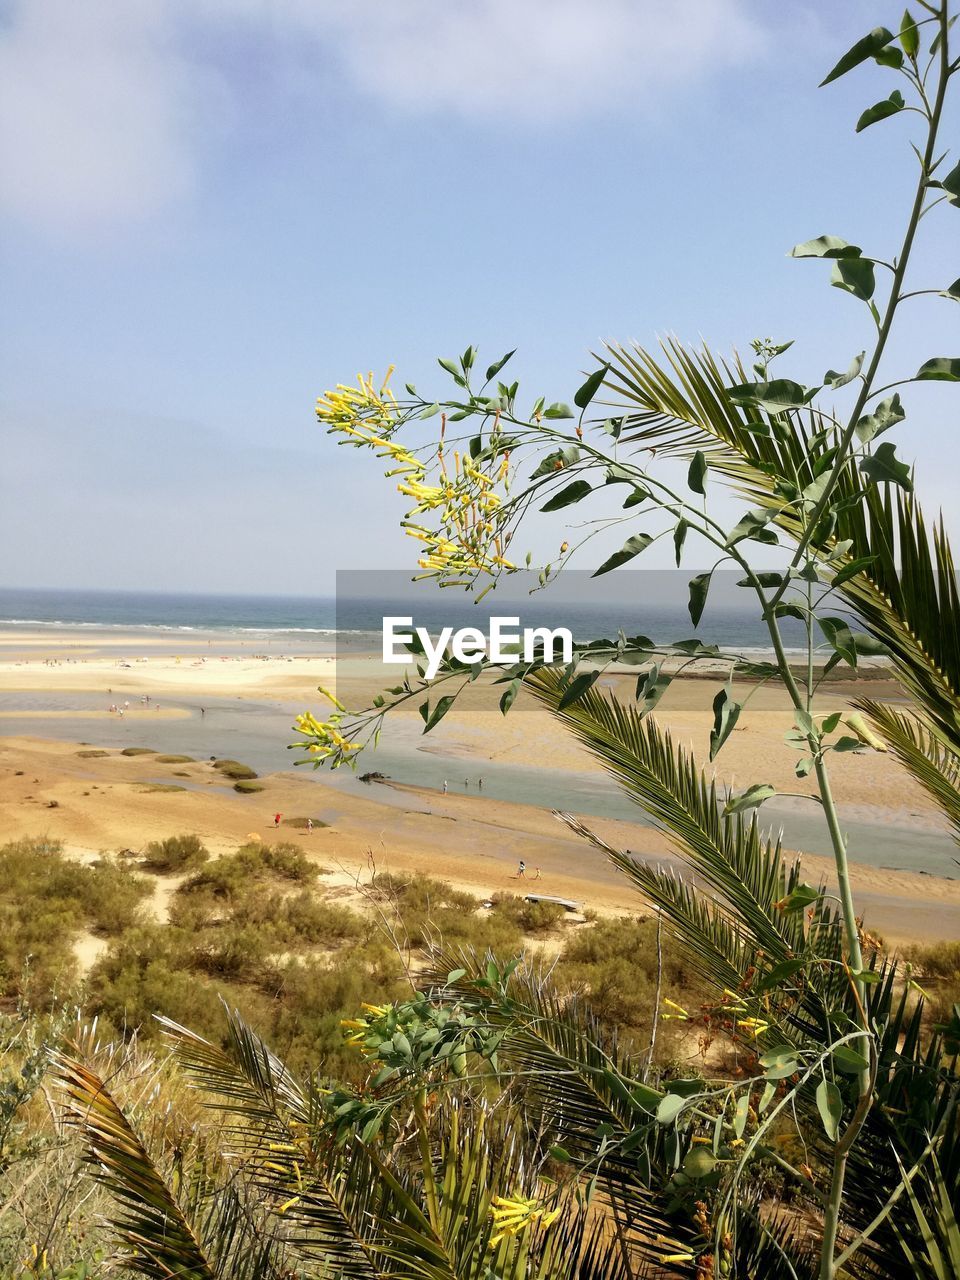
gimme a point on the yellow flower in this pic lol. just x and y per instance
(513, 1215)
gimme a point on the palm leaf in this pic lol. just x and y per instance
(907, 595)
(151, 1222)
(935, 766)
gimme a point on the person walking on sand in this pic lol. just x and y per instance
(444, 786)
(309, 824)
(276, 819)
(521, 870)
(536, 873)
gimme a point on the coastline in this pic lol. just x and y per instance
(475, 841)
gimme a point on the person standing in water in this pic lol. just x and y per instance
(444, 786)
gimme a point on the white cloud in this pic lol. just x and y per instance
(537, 60)
(107, 106)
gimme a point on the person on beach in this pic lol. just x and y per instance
(444, 786)
(479, 784)
(536, 873)
(521, 870)
(276, 819)
(309, 824)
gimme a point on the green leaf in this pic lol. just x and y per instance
(856, 276)
(726, 713)
(495, 368)
(889, 57)
(670, 1107)
(780, 1062)
(840, 638)
(883, 465)
(574, 492)
(750, 799)
(881, 110)
(679, 538)
(779, 974)
(940, 369)
(558, 410)
(852, 569)
(632, 547)
(849, 1061)
(866, 48)
(556, 461)
(697, 472)
(952, 291)
(951, 184)
(635, 498)
(699, 1162)
(825, 247)
(591, 387)
(430, 411)
(847, 743)
(909, 35)
(440, 710)
(773, 397)
(830, 1106)
(509, 695)
(698, 587)
(455, 975)
(887, 414)
(577, 688)
(468, 358)
(752, 524)
(651, 686)
(833, 379)
(799, 898)
(453, 369)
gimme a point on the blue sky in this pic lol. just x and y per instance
(212, 211)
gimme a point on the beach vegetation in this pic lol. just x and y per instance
(138, 751)
(234, 769)
(248, 788)
(175, 759)
(175, 853)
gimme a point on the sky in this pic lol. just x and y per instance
(212, 210)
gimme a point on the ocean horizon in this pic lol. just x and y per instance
(328, 616)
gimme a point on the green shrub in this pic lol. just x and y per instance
(138, 751)
(175, 760)
(247, 788)
(176, 853)
(146, 787)
(301, 823)
(288, 861)
(92, 754)
(234, 769)
(530, 917)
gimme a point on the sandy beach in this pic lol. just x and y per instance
(54, 785)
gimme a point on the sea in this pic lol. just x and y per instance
(354, 617)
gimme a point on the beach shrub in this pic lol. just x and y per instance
(92, 754)
(288, 861)
(529, 917)
(138, 751)
(147, 788)
(234, 769)
(176, 853)
(175, 760)
(301, 823)
(248, 788)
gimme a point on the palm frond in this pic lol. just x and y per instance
(151, 1222)
(935, 766)
(728, 852)
(907, 596)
